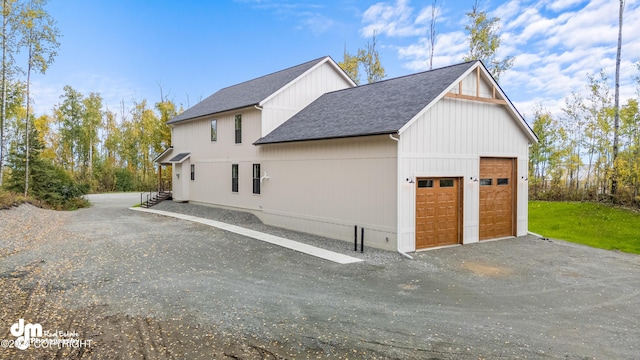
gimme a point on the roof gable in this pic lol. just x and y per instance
(379, 108)
(246, 94)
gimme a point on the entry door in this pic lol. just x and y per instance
(437, 212)
(497, 198)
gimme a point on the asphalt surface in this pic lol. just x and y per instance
(523, 298)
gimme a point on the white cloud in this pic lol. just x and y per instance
(556, 43)
(392, 20)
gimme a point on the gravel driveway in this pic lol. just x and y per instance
(145, 286)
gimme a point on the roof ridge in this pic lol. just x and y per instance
(404, 76)
(276, 72)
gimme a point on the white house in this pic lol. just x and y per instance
(431, 159)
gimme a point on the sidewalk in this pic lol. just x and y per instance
(272, 239)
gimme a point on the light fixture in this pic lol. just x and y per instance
(525, 178)
(410, 180)
(474, 179)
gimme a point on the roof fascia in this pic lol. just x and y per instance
(485, 74)
(213, 115)
(163, 154)
(314, 67)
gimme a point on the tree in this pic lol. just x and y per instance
(9, 28)
(543, 154)
(616, 121)
(91, 124)
(484, 41)
(69, 116)
(351, 65)
(39, 36)
(432, 32)
(370, 60)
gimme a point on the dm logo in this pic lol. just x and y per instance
(24, 333)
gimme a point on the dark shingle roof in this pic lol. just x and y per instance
(379, 108)
(179, 158)
(244, 94)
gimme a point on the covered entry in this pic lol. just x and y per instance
(497, 198)
(437, 212)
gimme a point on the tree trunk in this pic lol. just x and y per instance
(26, 169)
(616, 116)
(4, 84)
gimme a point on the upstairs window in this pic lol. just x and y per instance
(256, 178)
(214, 130)
(238, 129)
(234, 178)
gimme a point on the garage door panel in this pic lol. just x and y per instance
(496, 198)
(437, 212)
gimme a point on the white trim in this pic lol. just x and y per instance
(512, 110)
(313, 68)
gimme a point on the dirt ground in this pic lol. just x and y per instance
(120, 284)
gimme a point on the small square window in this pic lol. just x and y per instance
(486, 182)
(446, 183)
(503, 181)
(425, 183)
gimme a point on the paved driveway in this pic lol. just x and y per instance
(520, 298)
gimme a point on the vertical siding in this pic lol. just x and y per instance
(299, 94)
(326, 187)
(448, 140)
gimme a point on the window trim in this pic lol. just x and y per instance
(256, 179)
(238, 129)
(235, 170)
(214, 130)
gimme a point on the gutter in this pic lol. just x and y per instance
(398, 195)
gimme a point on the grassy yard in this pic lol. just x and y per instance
(590, 224)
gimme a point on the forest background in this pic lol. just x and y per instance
(83, 146)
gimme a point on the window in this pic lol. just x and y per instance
(234, 177)
(214, 130)
(486, 182)
(503, 181)
(238, 129)
(446, 183)
(427, 183)
(256, 178)
(193, 172)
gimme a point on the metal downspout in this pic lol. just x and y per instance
(398, 195)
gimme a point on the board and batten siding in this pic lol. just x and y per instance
(448, 140)
(288, 101)
(326, 187)
(213, 159)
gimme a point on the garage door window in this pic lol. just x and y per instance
(485, 182)
(446, 183)
(425, 183)
(503, 181)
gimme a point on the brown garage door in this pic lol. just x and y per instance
(497, 209)
(437, 212)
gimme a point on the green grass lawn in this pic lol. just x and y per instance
(590, 224)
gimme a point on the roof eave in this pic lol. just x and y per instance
(387, 132)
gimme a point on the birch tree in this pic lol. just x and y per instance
(484, 41)
(40, 38)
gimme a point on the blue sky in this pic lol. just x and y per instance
(129, 50)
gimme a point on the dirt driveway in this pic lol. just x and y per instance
(125, 284)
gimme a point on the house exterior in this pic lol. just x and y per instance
(426, 160)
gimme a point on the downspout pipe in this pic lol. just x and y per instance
(398, 232)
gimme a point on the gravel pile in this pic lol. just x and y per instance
(250, 221)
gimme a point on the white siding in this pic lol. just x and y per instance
(299, 94)
(327, 187)
(448, 140)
